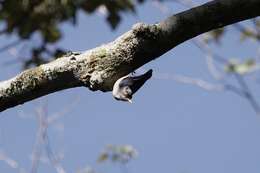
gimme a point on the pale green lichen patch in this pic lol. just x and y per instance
(29, 79)
(102, 53)
(26, 82)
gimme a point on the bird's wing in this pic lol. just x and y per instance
(127, 81)
(136, 82)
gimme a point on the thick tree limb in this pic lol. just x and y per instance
(99, 68)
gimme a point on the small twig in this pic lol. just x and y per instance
(210, 57)
(193, 81)
(42, 140)
(248, 95)
(243, 29)
(54, 161)
(199, 83)
(9, 161)
(235, 90)
(41, 133)
(205, 48)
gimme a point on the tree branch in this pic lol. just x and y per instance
(100, 67)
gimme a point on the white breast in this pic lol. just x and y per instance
(116, 88)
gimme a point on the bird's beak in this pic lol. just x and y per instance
(130, 101)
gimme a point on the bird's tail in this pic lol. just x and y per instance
(140, 80)
(147, 75)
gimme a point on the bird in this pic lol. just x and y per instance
(125, 87)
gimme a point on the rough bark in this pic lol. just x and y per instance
(100, 67)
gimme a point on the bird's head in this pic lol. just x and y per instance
(124, 94)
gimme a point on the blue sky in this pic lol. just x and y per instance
(175, 127)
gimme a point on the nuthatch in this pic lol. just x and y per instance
(126, 86)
